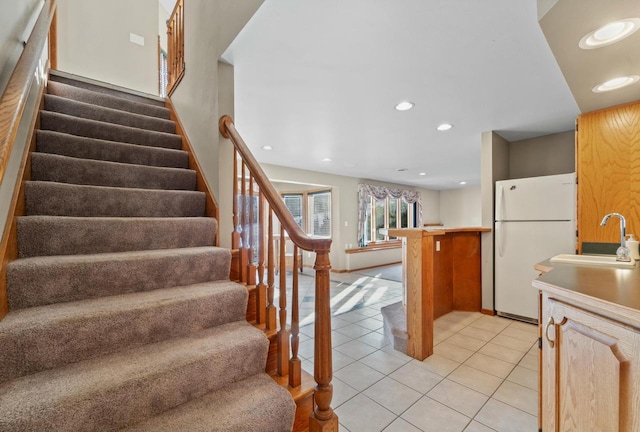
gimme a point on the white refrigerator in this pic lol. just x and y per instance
(535, 219)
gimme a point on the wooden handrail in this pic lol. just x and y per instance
(299, 237)
(323, 417)
(15, 96)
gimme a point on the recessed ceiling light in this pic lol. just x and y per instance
(610, 33)
(266, 148)
(616, 83)
(462, 182)
(422, 174)
(401, 169)
(404, 106)
(444, 127)
(326, 160)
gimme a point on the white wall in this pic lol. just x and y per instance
(93, 41)
(345, 208)
(494, 167)
(210, 26)
(163, 17)
(541, 156)
(461, 207)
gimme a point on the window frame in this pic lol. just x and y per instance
(307, 219)
(373, 229)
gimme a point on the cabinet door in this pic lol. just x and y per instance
(608, 163)
(589, 371)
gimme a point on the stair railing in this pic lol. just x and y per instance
(252, 249)
(14, 98)
(29, 71)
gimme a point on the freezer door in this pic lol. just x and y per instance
(519, 246)
(537, 198)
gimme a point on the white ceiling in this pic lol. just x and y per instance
(318, 79)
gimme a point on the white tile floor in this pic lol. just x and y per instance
(481, 377)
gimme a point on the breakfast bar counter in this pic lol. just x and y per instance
(441, 273)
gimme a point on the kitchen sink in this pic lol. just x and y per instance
(593, 260)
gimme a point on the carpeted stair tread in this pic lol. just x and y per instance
(121, 311)
(61, 199)
(111, 392)
(97, 149)
(64, 278)
(105, 89)
(108, 115)
(65, 169)
(255, 404)
(91, 328)
(107, 131)
(106, 100)
(63, 235)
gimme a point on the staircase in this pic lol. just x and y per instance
(121, 312)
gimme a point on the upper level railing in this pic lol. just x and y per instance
(175, 48)
(255, 204)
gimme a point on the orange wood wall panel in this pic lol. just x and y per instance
(442, 290)
(608, 164)
(467, 280)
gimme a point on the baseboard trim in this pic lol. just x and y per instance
(488, 312)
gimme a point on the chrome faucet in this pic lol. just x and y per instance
(623, 253)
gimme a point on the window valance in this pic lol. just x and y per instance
(381, 193)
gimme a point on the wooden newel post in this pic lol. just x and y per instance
(323, 419)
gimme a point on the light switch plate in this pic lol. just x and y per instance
(437, 245)
(136, 39)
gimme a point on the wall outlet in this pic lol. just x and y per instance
(437, 245)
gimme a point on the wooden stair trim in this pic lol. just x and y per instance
(9, 243)
(211, 208)
(303, 397)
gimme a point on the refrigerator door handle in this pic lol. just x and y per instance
(500, 204)
(499, 238)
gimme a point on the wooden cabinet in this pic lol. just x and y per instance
(590, 369)
(608, 167)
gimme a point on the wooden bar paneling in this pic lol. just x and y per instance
(466, 271)
(443, 276)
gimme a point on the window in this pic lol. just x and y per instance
(319, 204)
(294, 204)
(381, 208)
(384, 214)
(311, 210)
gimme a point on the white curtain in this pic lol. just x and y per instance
(381, 193)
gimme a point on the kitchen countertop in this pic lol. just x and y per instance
(433, 231)
(616, 291)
